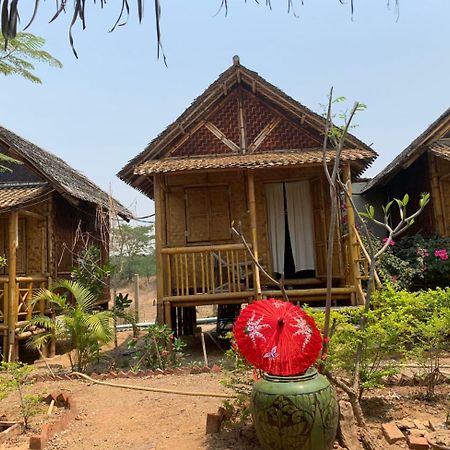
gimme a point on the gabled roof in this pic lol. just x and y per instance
(60, 176)
(236, 75)
(249, 161)
(426, 141)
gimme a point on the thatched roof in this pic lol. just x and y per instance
(424, 142)
(236, 75)
(60, 176)
(13, 195)
(249, 161)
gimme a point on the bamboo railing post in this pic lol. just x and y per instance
(157, 186)
(254, 232)
(13, 242)
(29, 307)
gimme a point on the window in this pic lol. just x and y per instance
(207, 214)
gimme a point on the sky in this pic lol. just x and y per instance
(102, 109)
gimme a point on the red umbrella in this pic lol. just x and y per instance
(277, 337)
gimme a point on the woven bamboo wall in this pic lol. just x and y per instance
(176, 213)
(37, 241)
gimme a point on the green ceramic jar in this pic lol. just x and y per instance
(295, 413)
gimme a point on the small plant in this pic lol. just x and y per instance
(89, 272)
(159, 349)
(16, 374)
(120, 311)
(83, 328)
(240, 380)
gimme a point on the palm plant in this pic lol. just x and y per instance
(78, 323)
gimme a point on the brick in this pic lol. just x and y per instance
(417, 432)
(205, 369)
(216, 369)
(196, 370)
(417, 443)
(213, 422)
(392, 433)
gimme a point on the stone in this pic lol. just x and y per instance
(392, 433)
(417, 443)
(419, 424)
(435, 424)
(405, 424)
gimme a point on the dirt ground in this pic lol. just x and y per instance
(117, 418)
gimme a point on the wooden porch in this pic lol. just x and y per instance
(220, 274)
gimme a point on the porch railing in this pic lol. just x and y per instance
(209, 271)
(25, 289)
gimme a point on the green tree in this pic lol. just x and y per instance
(132, 251)
(18, 55)
(83, 328)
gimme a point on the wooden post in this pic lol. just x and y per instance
(352, 256)
(13, 242)
(161, 314)
(136, 297)
(436, 197)
(6, 319)
(254, 231)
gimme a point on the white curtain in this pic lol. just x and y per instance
(275, 213)
(300, 223)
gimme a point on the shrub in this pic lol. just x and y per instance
(427, 258)
(400, 325)
(78, 322)
(159, 349)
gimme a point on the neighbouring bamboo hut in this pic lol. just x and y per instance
(246, 153)
(424, 166)
(48, 213)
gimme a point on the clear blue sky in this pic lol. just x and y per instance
(101, 110)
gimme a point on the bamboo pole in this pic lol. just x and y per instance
(29, 307)
(13, 242)
(157, 183)
(136, 297)
(6, 319)
(436, 197)
(254, 232)
(352, 257)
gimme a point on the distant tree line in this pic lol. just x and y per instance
(132, 252)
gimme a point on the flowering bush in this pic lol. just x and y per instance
(428, 258)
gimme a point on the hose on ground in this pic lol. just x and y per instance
(159, 390)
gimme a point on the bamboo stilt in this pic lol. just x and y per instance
(254, 232)
(157, 183)
(13, 238)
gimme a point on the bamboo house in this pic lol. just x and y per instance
(48, 212)
(424, 166)
(246, 153)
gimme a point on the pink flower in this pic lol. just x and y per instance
(422, 252)
(391, 243)
(441, 254)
